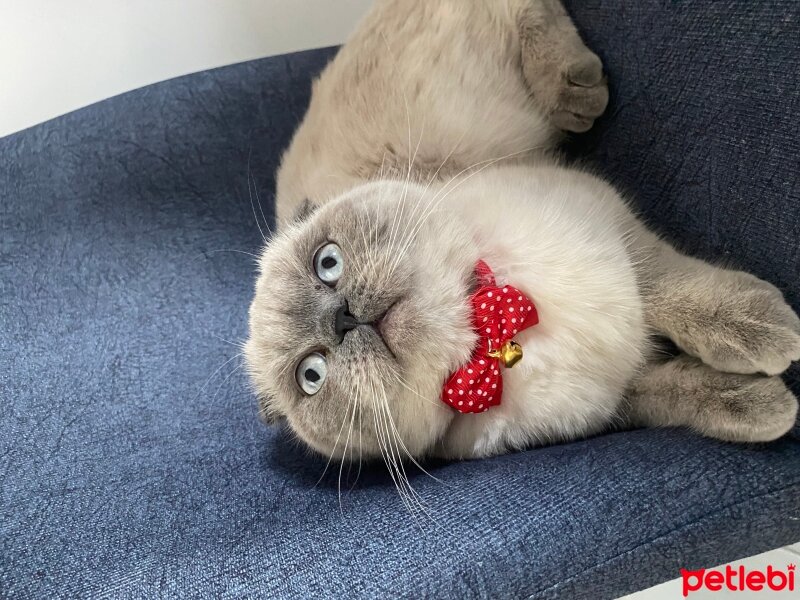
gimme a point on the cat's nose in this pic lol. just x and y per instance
(343, 321)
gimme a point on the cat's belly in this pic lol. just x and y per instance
(559, 236)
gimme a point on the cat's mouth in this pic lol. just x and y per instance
(386, 327)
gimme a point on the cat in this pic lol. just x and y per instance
(430, 144)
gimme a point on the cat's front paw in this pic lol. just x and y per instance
(749, 328)
(566, 79)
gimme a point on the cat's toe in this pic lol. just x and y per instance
(762, 410)
(586, 70)
(756, 332)
(737, 408)
(569, 121)
(578, 106)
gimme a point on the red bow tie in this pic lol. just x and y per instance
(498, 313)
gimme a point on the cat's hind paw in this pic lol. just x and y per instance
(726, 406)
(749, 328)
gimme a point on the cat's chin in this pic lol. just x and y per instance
(402, 331)
(393, 327)
(387, 328)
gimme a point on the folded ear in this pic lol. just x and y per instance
(271, 418)
(267, 411)
(304, 211)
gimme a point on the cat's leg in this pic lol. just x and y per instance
(731, 320)
(684, 391)
(565, 77)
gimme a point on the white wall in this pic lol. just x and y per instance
(59, 55)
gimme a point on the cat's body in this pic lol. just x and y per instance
(591, 339)
(430, 101)
(434, 81)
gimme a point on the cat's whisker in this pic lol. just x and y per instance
(436, 173)
(478, 163)
(430, 181)
(360, 445)
(346, 445)
(383, 164)
(394, 224)
(405, 449)
(252, 204)
(392, 434)
(398, 76)
(207, 252)
(368, 229)
(260, 207)
(238, 344)
(235, 370)
(214, 373)
(402, 203)
(348, 244)
(388, 457)
(390, 464)
(335, 444)
(193, 402)
(402, 382)
(360, 449)
(444, 162)
(442, 195)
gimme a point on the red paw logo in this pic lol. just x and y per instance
(739, 579)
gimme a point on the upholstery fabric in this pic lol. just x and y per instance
(132, 464)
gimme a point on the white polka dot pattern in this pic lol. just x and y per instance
(478, 385)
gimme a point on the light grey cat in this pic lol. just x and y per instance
(426, 147)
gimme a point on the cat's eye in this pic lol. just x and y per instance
(311, 372)
(329, 264)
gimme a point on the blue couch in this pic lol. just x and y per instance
(132, 464)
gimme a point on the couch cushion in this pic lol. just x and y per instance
(131, 460)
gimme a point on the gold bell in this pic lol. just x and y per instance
(509, 353)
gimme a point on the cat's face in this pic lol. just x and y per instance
(361, 312)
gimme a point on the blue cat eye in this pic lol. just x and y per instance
(329, 263)
(311, 373)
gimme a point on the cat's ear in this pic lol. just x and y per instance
(271, 419)
(304, 211)
(268, 412)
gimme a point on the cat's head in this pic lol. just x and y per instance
(361, 312)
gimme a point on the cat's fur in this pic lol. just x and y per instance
(403, 160)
